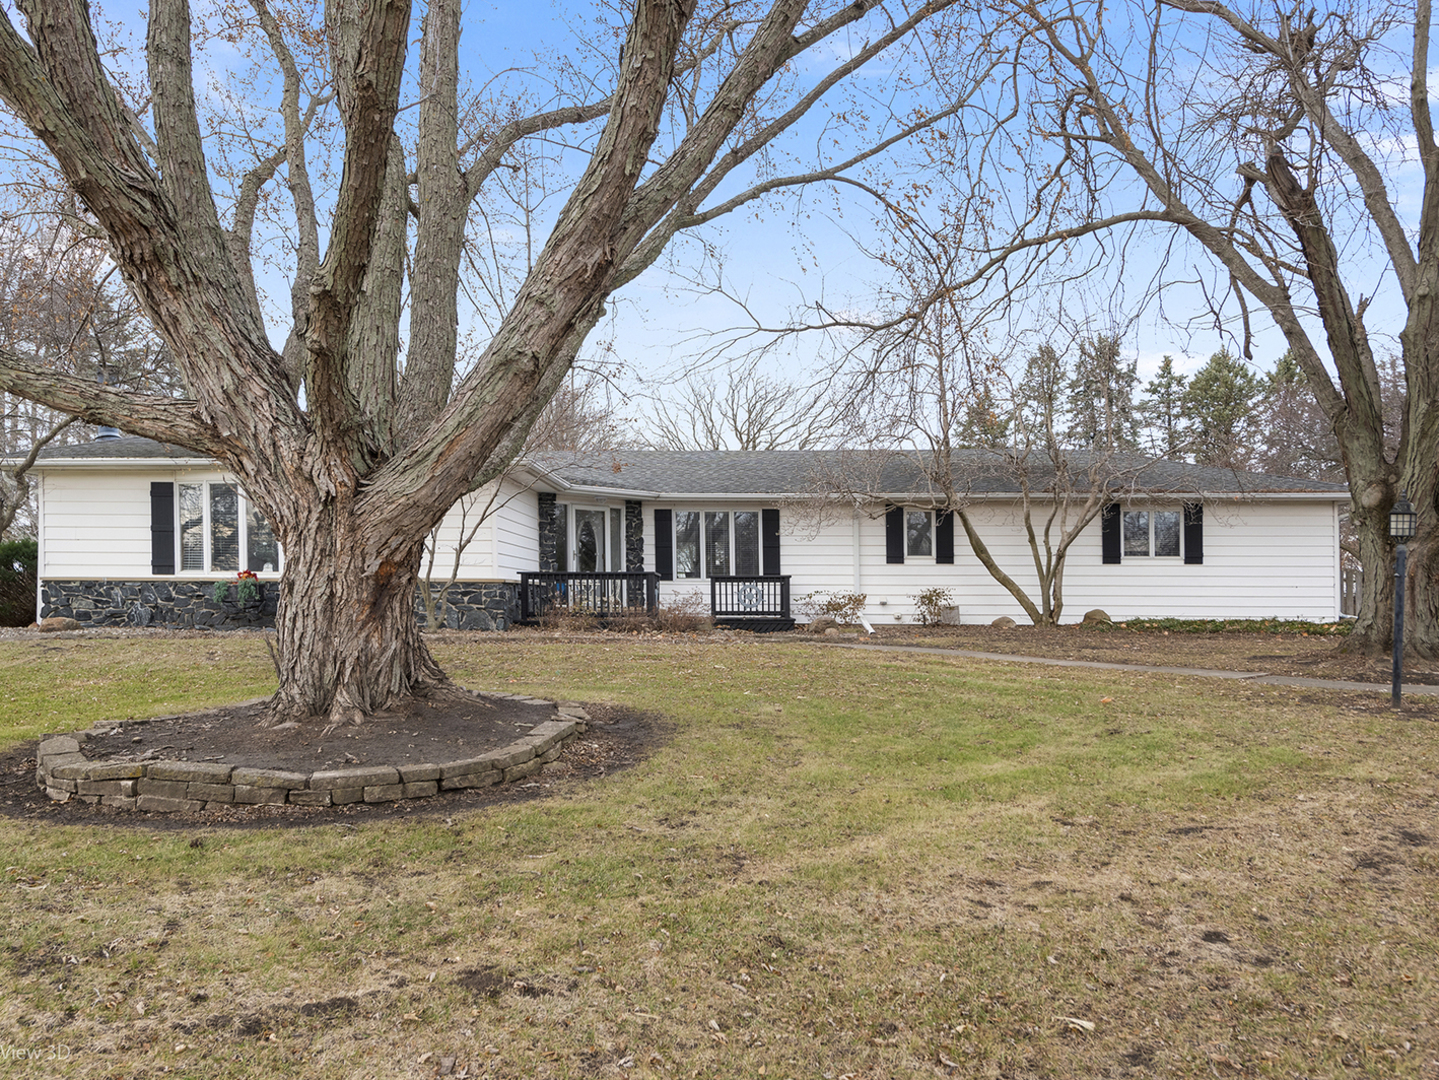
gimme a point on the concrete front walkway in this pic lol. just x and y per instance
(1418, 689)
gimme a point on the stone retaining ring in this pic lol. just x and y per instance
(64, 773)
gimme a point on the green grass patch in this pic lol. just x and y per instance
(836, 863)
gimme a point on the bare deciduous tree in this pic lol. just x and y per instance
(1272, 142)
(352, 446)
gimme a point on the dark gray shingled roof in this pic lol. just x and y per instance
(125, 447)
(802, 472)
(798, 472)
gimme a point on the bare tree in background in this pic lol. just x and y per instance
(742, 408)
(352, 444)
(1272, 142)
(62, 310)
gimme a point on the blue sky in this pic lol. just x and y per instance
(776, 259)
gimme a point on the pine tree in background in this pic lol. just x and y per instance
(1220, 407)
(1101, 397)
(1161, 412)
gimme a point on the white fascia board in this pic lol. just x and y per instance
(130, 464)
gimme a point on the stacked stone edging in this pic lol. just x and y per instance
(64, 773)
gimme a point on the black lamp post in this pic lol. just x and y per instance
(1403, 524)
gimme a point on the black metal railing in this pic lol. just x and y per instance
(749, 597)
(602, 595)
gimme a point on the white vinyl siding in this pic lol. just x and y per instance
(97, 524)
(505, 542)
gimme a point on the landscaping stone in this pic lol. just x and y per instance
(212, 792)
(1004, 622)
(161, 804)
(192, 772)
(472, 780)
(384, 792)
(1096, 617)
(334, 779)
(63, 772)
(256, 796)
(55, 624)
(268, 778)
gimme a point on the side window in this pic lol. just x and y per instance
(687, 543)
(220, 532)
(1136, 532)
(1152, 532)
(918, 533)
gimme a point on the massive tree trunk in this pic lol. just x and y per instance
(348, 636)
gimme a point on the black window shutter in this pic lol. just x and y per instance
(1193, 532)
(769, 542)
(894, 534)
(944, 536)
(1110, 522)
(665, 544)
(162, 528)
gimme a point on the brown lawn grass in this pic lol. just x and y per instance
(836, 865)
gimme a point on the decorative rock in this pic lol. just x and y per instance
(163, 805)
(55, 624)
(63, 772)
(472, 780)
(1096, 617)
(1004, 622)
(519, 772)
(165, 789)
(192, 772)
(822, 624)
(334, 779)
(119, 770)
(255, 796)
(268, 778)
(104, 787)
(221, 793)
(384, 792)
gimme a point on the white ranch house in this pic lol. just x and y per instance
(134, 531)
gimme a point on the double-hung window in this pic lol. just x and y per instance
(716, 543)
(221, 531)
(1152, 532)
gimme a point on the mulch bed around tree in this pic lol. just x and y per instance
(448, 729)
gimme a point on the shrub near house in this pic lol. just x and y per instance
(19, 564)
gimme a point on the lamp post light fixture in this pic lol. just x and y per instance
(1403, 525)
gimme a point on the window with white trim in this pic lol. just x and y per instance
(918, 534)
(1152, 532)
(221, 531)
(716, 543)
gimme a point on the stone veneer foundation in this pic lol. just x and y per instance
(167, 786)
(186, 602)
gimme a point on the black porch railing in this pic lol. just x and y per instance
(602, 595)
(744, 600)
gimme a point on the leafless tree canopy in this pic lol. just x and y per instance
(399, 189)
